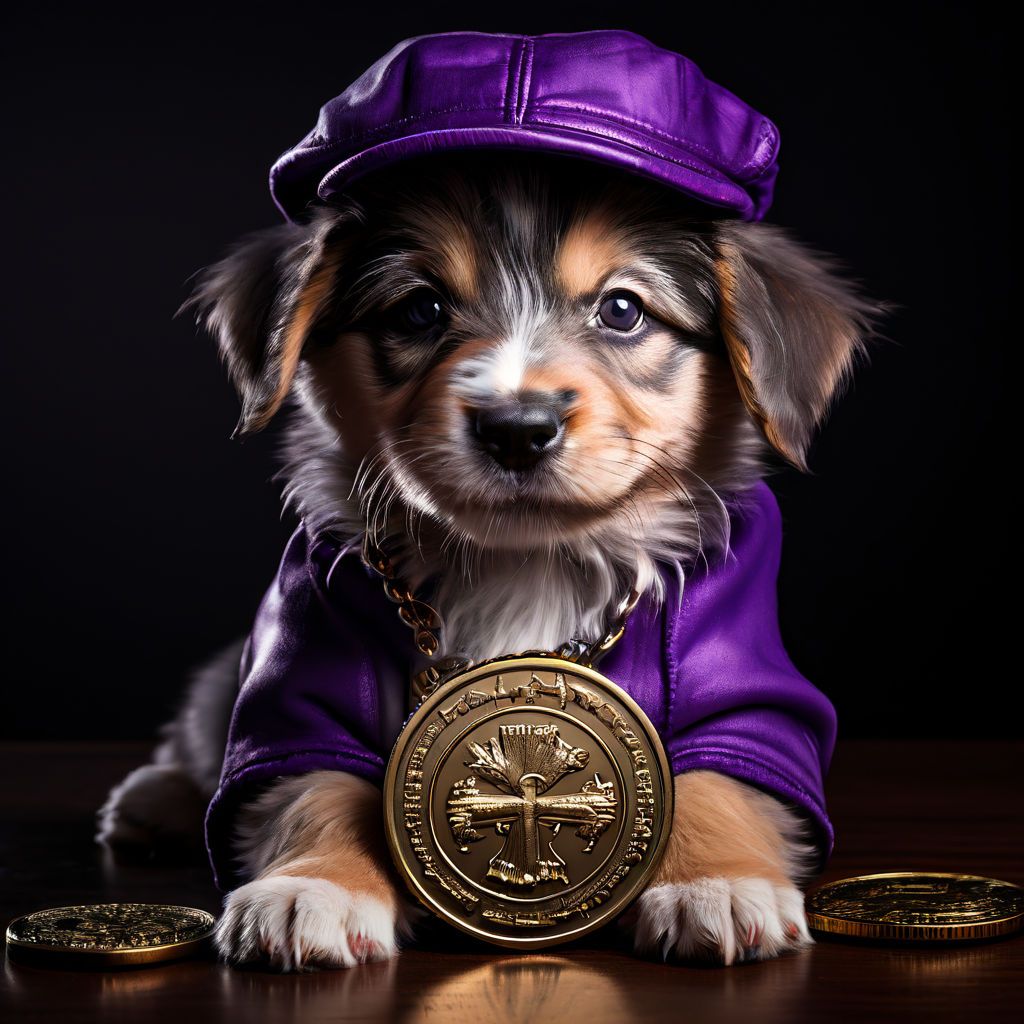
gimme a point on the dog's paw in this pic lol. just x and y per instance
(292, 923)
(720, 920)
(154, 808)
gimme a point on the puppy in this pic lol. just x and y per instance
(535, 376)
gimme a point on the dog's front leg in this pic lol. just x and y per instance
(320, 894)
(725, 890)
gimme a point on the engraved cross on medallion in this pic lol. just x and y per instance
(523, 762)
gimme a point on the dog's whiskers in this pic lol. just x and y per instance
(668, 476)
(375, 507)
(372, 457)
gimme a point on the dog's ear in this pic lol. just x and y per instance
(262, 300)
(793, 326)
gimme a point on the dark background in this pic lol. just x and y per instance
(139, 538)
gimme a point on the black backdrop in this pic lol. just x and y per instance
(139, 538)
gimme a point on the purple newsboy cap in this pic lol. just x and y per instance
(608, 96)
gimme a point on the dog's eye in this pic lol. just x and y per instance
(421, 310)
(621, 311)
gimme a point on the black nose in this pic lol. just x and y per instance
(518, 434)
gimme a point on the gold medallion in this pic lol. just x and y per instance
(110, 934)
(527, 800)
(917, 906)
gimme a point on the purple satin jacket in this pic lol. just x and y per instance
(324, 678)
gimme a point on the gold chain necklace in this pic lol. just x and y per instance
(426, 623)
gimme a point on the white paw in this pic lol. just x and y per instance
(153, 806)
(722, 920)
(296, 923)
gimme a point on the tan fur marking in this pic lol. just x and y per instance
(460, 262)
(588, 253)
(447, 245)
(739, 356)
(334, 831)
(721, 828)
(306, 309)
(552, 379)
(633, 406)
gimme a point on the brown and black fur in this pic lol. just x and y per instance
(747, 336)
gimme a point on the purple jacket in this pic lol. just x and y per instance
(324, 677)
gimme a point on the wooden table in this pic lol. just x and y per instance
(944, 806)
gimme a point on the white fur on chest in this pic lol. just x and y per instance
(531, 602)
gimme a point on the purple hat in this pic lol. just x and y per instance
(609, 96)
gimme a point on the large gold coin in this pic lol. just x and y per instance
(527, 801)
(916, 906)
(109, 934)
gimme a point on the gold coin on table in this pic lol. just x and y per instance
(917, 906)
(109, 934)
(527, 801)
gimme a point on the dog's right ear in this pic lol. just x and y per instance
(262, 300)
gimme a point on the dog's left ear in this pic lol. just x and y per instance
(793, 326)
(262, 301)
